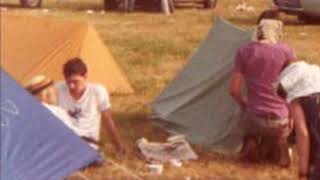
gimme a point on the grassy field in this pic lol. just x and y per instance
(151, 48)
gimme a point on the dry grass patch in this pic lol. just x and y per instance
(151, 49)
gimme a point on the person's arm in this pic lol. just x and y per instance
(302, 137)
(113, 131)
(104, 107)
(235, 89)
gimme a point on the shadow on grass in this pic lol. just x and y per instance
(134, 126)
(137, 125)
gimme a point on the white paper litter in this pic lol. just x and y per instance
(155, 168)
(45, 10)
(174, 149)
(89, 11)
(245, 7)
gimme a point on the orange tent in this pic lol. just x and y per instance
(41, 45)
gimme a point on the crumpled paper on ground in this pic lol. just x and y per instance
(175, 147)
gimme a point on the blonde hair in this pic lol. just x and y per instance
(47, 95)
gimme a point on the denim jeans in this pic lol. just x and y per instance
(311, 107)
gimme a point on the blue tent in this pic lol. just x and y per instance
(35, 145)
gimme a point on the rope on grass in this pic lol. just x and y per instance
(124, 169)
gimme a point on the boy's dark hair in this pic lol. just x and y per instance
(74, 66)
(270, 14)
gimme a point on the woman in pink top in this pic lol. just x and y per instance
(257, 66)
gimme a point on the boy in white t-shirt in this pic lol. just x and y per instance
(88, 103)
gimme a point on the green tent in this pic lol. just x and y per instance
(197, 102)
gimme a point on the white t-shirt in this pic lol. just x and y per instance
(62, 114)
(300, 79)
(86, 110)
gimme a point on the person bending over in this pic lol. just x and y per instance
(299, 84)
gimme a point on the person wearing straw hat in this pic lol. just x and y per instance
(265, 122)
(299, 84)
(41, 87)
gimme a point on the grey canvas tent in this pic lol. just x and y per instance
(197, 103)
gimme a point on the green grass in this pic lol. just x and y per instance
(151, 48)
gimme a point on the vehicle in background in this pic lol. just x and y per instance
(306, 10)
(112, 4)
(31, 3)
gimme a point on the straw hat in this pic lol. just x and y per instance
(38, 83)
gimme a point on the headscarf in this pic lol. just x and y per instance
(270, 30)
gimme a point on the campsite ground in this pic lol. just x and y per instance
(151, 48)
